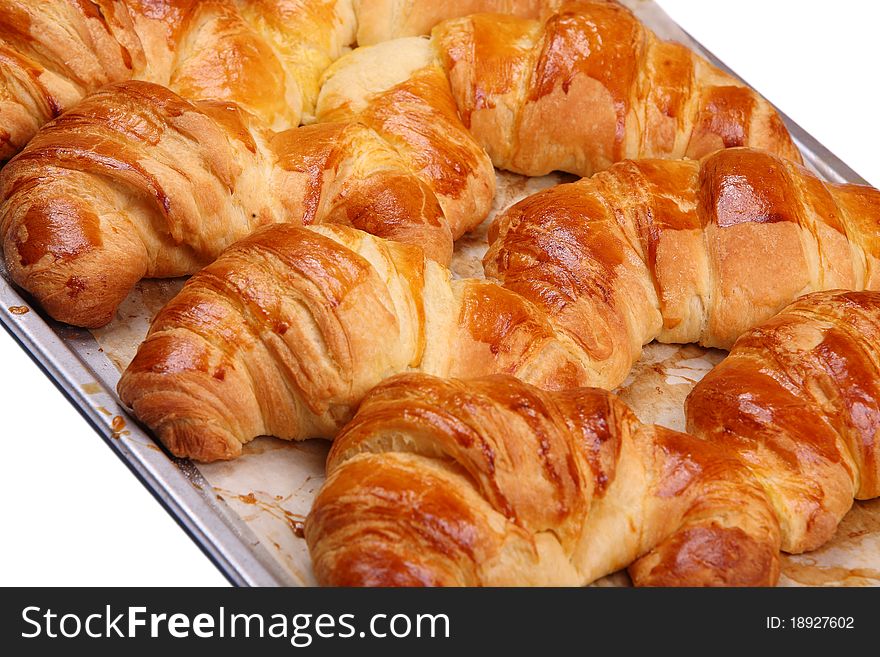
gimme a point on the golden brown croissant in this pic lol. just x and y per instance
(683, 251)
(688, 255)
(287, 331)
(493, 482)
(798, 400)
(136, 181)
(590, 85)
(264, 55)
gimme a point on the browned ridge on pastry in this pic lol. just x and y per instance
(691, 251)
(590, 85)
(136, 181)
(492, 482)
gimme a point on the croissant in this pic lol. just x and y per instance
(682, 251)
(264, 55)
(287, 331)
(688, 255)
(798, 400)
(136, 181)
(591, 85)
(493, 482)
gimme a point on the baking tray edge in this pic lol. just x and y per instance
(174, 483)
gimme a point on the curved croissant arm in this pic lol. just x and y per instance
(265, 55)
(798, 400)
(682, 251)
(136, 181)
(591, 85)
(287, 331)
(492, 482)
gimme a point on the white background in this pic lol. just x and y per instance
(72, 513)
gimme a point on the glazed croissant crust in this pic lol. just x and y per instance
(579, 287)
(493, 482)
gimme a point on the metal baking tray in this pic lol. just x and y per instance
(76, 364)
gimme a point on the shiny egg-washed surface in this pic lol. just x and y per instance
(272, 485)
